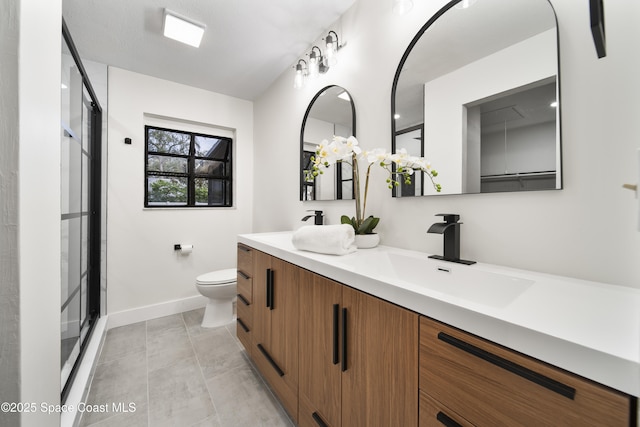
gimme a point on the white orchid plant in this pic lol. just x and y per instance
(348, 151)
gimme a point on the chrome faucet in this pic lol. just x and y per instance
(317, 215)
(451, 230)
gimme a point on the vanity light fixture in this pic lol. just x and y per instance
(331, 51)
(301, 74)
(402, 7)
(182, 29)
(396, 116)
(554, 104)
(316, 65)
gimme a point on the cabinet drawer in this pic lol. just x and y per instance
(487, 384)
(244, 321)
(434, 414)
(245, 273)
(245, 286)
(245, 259)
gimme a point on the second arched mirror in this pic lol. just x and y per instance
(476, 93)
(330, 112)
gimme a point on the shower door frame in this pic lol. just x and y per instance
(93, 258)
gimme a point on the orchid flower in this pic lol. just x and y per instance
(348, 150)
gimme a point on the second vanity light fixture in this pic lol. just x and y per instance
(318, 63)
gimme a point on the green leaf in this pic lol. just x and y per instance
(368, 225)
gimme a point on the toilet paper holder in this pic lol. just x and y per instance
(178, 247)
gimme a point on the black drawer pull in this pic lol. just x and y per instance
(344, 340)
(269, 276)
(241, 323)
(336, 334)
(270, 360)
(318, 420)
(272, 286)
(244, 248)
(514, 368)
(244, 275)
(446, 421)
(243, 299)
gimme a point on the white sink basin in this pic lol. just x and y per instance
(454, 280)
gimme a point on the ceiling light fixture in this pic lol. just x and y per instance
(402, 7)
(301, 74)
(182, 29)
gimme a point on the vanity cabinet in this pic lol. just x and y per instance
(358, 358)
(274, 338)
(244, 311)
(475, 382)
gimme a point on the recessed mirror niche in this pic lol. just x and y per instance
(477, 94)
(330, 112)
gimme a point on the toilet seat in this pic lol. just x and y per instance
(219, 277)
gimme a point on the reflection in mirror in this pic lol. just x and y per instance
(331, 112)
(477, 95)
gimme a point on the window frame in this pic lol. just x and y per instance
(191, 175)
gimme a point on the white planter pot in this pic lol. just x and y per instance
(367, 241)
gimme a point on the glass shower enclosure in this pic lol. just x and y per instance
(81, 127)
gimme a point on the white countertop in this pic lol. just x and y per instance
(588, 328)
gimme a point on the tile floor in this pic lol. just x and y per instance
(177, 373)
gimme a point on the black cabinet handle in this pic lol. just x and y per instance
(336, 334)
(244, 248)
(241, 323)
(243, 274)
(318, 420)
(243, 299)
(270, 360)
(514, 368)
(446, 421)
(344, 339)
(270, 288)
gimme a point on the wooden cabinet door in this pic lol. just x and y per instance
(261, 312)
(319, 375)
(380, 383)
(283, 344)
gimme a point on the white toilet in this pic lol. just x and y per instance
(220, 287)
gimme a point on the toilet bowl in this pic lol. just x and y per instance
(220, 287)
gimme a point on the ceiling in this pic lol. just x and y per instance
(246, 46)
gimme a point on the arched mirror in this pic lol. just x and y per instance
(477, 94)
(331, 112)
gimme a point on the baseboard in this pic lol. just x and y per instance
(148, 312)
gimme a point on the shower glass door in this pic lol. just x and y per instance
(80, 210)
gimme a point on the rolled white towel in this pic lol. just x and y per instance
(325, 239)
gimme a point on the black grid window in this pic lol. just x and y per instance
(187, 169)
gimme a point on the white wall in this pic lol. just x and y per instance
(587, 230)
(39, 207)
(143, 268)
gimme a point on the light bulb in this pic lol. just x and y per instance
(314, 66)
(298, 80)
